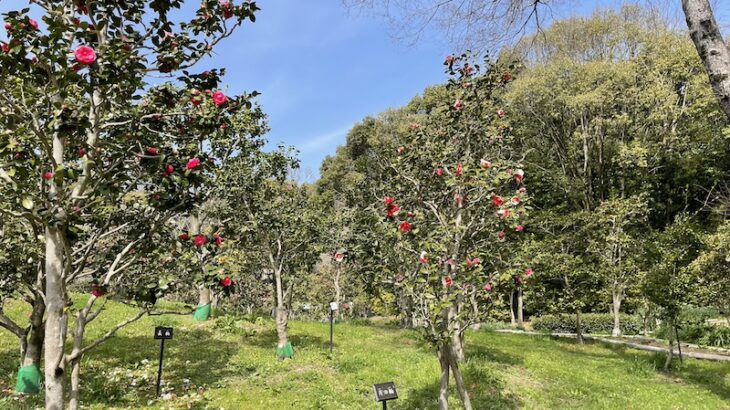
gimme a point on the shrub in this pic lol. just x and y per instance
(591, 323)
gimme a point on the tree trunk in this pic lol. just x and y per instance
(711, 47)
(457, 343)
(668, 361)
(56, 319)
(444, 380)
(615, 311)
(281, 314)
(578, 327)
(75, 398)
(512, 319)
(31, 354)
(520, 317)
(460, 387)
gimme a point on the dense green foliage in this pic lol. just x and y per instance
(600, 323)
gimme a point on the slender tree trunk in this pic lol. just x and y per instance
(443, 355)
(31, 354)
(615, 311)
(668, 361)
(512, 319)
(712, 49)
(520, 317)
(460, 385)
(204, 295)
(281, 314)
(578, 327)
(56, 319)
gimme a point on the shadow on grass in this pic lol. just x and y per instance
(115, 373)
(268, 339)
(487, 389)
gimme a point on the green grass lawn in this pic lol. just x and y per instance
(207, 367)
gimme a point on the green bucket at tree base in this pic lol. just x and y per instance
(286, 352)
(202, 312)
(29, 380)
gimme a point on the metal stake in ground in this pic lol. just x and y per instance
(333, 309)
(161, 334)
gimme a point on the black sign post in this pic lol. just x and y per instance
(385, 392)
(161, 334)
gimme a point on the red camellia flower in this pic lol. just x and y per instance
(226, 282)
(424, 257)
(169, 169)
(33, 23)
(506, 77)
(195, 98)
(459, 169)
(501, 234)
(518, 280)
(439, 171)
(519, 228)
(97, 291)
(48, 175)
(503, 213)
(447, 281)
(405, 226)
(339, 257)
(85, 55)
(488, 287)
(82, 152)
(485, 164)
(392, 211)
(5, 47)
(414, 126)
(500, 113)
(200, 240)
(218, 240)
(8, 26)
(388, 200)
(219, 98)
(519, 175)
(193, 163)
(184, 237)
(497, 200)
(458, 199)
(528, 272)
(152, 151)
(227, 9)
(516, 200)
(449, 59)
(473, 262)
(457, 104)
(401, 150)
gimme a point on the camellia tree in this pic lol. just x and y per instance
(96, 160)
(454, 209)
(272, 217)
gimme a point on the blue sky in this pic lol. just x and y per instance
(320, 70)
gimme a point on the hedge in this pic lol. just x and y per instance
(591, 323)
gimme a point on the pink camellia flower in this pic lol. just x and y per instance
(522, 190)
(169, 169)
(424, 257)
(193, 163)
(388, 200)
(485, 164)
(152, 151)
(5, 47)
(519, 175)
(458, 171)
(195, 98)
(451, 261)
(414, 126)
(449, 59)
(457, 104)
(473, 262)
(405, 227)
(488, 287)
(48, 175)
(439, 171)
(85, 55)
(219, 98)
(33, 23)
(227, 9)
(500, 113)
(184, 237)
(497, 200)
(8, 26)
(401, 150)
(501, 234)
(516, 200)
(503, 213)
(226, 282)
(447, 281)
(529, 272)
(200, 240)
(468, 69)
(339, 257)
(458, 199)
(519, 228)
(218, 240)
